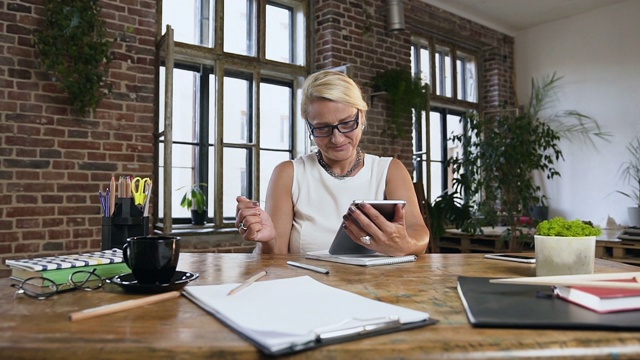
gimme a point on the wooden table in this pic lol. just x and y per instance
(179, 329)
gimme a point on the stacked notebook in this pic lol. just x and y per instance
(361, 260)
(107, 263)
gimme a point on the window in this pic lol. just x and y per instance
(454, 74)
(234, 104)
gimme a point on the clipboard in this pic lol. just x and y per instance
(293, 323)
(334, 337)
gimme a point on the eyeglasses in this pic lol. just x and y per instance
(343, 127)
(40, 287)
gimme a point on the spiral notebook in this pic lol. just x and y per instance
(360, 260)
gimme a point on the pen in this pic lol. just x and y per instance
(308, 267)
(248, 282)
(121, 306)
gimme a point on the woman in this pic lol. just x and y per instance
(307, 197)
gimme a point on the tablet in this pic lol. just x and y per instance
(343, 245)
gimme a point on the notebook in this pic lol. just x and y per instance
(68, 261)
(602, 300)
(288, 317)
(360, 260)
(532, 306)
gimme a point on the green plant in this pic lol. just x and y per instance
(194, 198)
(560, 226)
(568, 124)
(449, 209)
(406, 93)
(73, 46)
(503, 149)
(630, 171)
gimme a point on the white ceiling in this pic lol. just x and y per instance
(513, 16)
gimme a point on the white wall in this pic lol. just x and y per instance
(598, 54)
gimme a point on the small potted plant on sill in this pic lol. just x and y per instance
(630, 173)
(565, 247)
(195, 200)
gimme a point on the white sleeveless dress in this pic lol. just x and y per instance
(320, 200)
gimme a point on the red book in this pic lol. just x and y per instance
(602, 300)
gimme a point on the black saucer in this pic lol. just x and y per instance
(129, 283)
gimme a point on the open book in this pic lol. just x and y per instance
(361, 260)
(284, 316)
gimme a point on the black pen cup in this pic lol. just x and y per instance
(127, 221)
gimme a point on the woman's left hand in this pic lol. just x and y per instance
(387, 237)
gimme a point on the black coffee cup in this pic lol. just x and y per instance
(152, 259)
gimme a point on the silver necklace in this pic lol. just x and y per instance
(326, 168)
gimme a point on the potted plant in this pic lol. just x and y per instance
(406, 93)
(565, 247)
(74, 48)
(501, 151)
(630, 173)
(195, 200)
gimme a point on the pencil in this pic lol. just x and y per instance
(112, 196)
(121, 306)
(248, 282)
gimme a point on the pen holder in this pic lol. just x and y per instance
(127, 221)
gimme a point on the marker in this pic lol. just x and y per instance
(308, 267)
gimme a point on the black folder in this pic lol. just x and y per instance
(532, 306)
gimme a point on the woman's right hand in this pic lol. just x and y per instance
(253, 223)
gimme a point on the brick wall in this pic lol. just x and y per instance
(354, 33)
(52, 164)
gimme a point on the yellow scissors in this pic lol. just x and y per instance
(139, 188)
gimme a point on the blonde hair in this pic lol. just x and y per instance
(333, 86)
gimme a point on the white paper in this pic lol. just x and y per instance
(285, 312)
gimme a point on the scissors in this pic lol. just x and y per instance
(139, 188)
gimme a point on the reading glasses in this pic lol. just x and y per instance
(40, 287)
(343, 127)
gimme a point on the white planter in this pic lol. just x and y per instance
(634, 215)
(557, 255)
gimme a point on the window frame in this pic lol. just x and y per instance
(222, 63)
(441, 104)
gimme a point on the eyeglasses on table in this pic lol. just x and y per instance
(40, 287)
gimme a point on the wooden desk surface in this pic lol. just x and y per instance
(179, 329)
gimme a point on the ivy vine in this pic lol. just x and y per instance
(74, 48)
(405, 92)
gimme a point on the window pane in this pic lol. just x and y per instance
(234, 179)
(454, 126)
(443, 71)
(239, 27)
(436, 180)
(435, 141)
(184, 105)
(279, 31)
(275, 116)
(237, 118)
(191, 23)
(182, 174)
(213, 97)
(425, 66)
(466, 77)
(268, 161)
